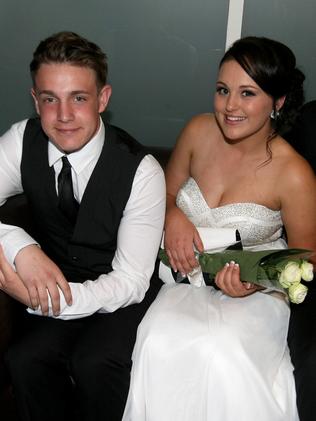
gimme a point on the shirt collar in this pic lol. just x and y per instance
(80, 159)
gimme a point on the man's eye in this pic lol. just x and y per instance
(49, 99)
(221, 90)
(80, 98)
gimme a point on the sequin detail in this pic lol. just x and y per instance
(258, 225)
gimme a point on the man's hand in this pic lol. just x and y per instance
(41, 276)
(10, 282)
(228, 280)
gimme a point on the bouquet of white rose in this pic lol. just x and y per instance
(280, 270)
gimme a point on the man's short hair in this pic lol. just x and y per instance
(71, 48)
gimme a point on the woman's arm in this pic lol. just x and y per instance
(297, 191)
(295, 185)
(180, 234)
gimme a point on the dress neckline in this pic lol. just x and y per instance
(228, 204)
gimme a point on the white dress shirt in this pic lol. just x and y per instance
(139, 233)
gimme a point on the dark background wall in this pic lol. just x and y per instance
(292, 22)
(163, 54)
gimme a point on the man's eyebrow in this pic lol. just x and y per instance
(79, 92)
(45, 92)
(52, 93)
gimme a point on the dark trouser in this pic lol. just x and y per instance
(76, 369)
(302, 344)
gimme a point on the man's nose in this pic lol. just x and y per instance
(65, 112)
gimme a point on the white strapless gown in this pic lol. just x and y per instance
(203, 356)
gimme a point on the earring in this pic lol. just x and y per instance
(274, 114)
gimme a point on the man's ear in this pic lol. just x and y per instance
(33, 93)
(104, 97)
(280, 102)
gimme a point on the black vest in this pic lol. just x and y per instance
(86, 250)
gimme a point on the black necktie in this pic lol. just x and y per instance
(67, 202)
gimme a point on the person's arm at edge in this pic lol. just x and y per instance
(16, 243)
(12, 238)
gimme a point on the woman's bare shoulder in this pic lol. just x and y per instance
(202, 121)
(292, 167)
(198, 129)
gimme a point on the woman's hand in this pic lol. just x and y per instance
(181, 237)
(228, 280)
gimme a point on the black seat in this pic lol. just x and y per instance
(303, 136)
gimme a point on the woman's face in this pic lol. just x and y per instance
(242, 108)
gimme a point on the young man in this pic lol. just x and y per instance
(98, 221)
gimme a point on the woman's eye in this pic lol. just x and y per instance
(221, 90)
(248, 93)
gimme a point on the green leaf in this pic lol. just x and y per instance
(162, 255)
(278, 256)
(259, 267)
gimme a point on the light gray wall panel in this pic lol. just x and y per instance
(291, 22)
(163, 57)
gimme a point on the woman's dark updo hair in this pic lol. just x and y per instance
(272, 65)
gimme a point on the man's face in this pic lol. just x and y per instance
(68, 102)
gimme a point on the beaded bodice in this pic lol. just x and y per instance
(259, 226)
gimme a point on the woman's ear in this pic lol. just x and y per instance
(279, 103)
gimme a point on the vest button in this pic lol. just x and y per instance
(75, 258)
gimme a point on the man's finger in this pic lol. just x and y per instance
(54, 294)
(66, 290)
(34, 299)
(43, 299)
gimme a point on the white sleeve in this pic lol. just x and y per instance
(12, 239)
(138, 241)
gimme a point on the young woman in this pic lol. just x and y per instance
(221, 354)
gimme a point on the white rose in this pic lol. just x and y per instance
(307, 270)
(290, 275)
(297, 293)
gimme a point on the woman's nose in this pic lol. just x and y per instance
(232, 102)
